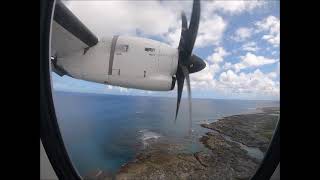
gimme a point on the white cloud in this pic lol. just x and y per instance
(211, 31)
(272, 75)
(204, 75)
(106, 18)
(173, 36)
(214, 68)
(271, 25)
(227, 66)
(218, 55)
(254, 84)
(213, 26)
(242, 34)
(250, 46)
(251, 60)
(248, 83)
(215, 30)
(125, 90)
(233, 7)
(272, 39)
(205, 79)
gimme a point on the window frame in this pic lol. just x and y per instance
(49, 129)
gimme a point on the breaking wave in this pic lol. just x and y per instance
(148, 136)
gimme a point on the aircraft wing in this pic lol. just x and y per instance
(69, 33)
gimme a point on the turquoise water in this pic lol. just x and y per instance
(105, 131)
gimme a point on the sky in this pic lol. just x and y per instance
(239, 40)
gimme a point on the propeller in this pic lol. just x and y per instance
(188, 62)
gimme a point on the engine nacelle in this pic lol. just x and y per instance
(130, 62)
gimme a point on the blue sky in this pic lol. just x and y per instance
(239, 40)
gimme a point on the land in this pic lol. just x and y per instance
(253, 130)
(223, 158)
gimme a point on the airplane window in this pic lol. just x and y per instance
(211, 114)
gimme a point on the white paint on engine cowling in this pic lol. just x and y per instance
(91, 66)
(153, 83)
(138, 63)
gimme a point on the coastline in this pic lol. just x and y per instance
(234, 148)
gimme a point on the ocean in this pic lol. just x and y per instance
(104, 132)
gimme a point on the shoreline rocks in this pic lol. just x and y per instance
(222, 158)
(252, 130)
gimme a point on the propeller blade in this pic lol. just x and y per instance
(188, 63)
(184, 29)
(180, 81)
(193, 26)
(186, 74)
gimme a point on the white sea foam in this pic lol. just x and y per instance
(203, 122)
(147, 136)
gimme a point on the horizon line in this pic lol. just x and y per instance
(141, 95)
